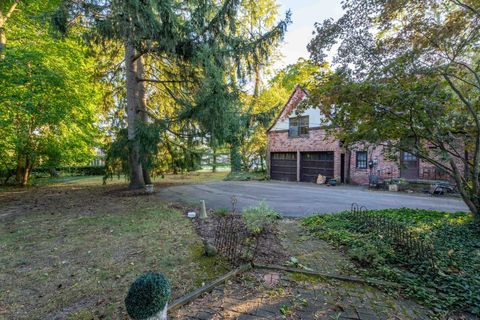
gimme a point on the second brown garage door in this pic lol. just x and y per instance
(314, 163)
(283, 166)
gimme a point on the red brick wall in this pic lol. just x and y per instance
(386, 166)
(278, 141)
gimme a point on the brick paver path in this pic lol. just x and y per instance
(263, 294)
(254, 296)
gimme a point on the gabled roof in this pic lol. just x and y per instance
(288, 104)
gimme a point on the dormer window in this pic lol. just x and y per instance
(298, 127)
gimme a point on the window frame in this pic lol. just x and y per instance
(407, 156)
(301, 126)
(363, 163)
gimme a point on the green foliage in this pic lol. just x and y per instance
(71, 171)
(245, 176)
(48, 98)
(407, 77)
(197, 57)
(257, 219)
(455, 285)
(221, 212)
(366, 256)
(147, 296)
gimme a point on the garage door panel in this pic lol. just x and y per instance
(283, 166)
(315, 163)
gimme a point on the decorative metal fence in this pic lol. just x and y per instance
(434, 173)
(230, 236)
(397, 233)
(234, 241)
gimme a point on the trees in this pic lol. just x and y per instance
(264, 107)
(6, 11)
(408, 75)
(201, 37)
(47, 99)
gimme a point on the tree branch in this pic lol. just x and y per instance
(163, 81)
(466, 6)
(476, 156)
(10, 11)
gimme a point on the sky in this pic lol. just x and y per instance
(304, 15)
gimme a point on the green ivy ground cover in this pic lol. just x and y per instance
(453, 286)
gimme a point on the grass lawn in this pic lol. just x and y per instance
(452, 287)
(70, 249)
(245, 176)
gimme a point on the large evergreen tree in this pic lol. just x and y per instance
(203, 35)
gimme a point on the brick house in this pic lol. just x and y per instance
(299, 149)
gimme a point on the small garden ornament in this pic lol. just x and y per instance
(203, 210)
(149, 188)
(148, 296)
(210, 251)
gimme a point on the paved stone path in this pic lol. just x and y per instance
(262, 294)
(254, 296)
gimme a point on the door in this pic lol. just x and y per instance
(283, 166)
(409, 168)
(314, 163)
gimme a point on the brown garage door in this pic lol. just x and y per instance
(283, 166)
(315, 163)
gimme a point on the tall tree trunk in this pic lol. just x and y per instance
(23, 170)
(142, 110)
(235, 158)
(26, 171)
(136, 172)
(3, 21)
(3, 37)
(214, 160)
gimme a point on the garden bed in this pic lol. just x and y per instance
(269, 249)
(451, 286)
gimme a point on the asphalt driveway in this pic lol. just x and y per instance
(301, 199)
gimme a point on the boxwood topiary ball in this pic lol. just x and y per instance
(147, 295)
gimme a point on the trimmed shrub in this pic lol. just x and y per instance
(76, 171)
(147, 296)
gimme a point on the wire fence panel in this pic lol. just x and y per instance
(395, 232)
